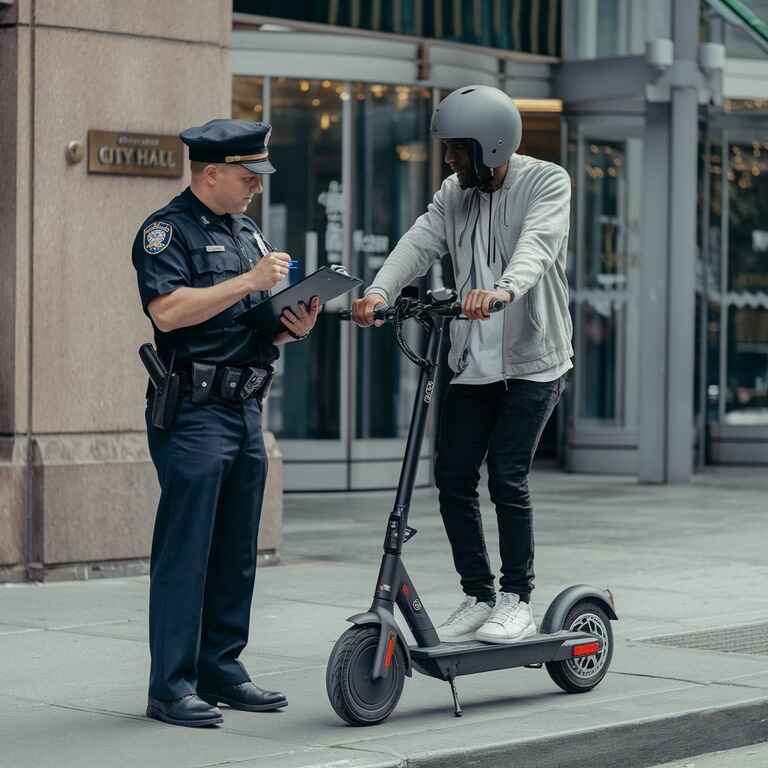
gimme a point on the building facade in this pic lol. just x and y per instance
(657, 108)
(671, 363)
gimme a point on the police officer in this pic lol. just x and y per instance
(200, 262)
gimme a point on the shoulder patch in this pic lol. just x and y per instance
(157, 237)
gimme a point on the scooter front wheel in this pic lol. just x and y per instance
(354, 695)
(583, 674)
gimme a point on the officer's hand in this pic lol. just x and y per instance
(476, 305)
(302, 319)
(269, 271)
(362, 309)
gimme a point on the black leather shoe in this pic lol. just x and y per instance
(245, 696)
(189, 710)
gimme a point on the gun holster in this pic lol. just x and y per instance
(165, 401)
(165, 395)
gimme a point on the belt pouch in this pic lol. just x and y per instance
(267, 386)
(165, 401)
(230, 380)
(202, 382)
(253, 383)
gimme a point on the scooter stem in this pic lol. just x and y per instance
(398, 520)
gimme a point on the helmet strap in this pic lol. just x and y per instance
(482, 174)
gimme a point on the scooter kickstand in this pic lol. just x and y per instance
(456, 705)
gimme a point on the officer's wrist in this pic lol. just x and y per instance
(296, 336)
(245, 285)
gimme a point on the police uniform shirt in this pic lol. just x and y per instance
(187, 244)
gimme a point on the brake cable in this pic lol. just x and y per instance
(406, 309)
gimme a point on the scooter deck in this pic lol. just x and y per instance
(449, 660)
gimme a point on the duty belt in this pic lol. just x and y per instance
(232, 385)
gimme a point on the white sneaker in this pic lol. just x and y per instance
(511, 621)
(462, 624)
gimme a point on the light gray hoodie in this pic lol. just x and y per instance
(531, 236)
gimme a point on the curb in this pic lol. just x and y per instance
(632, 744)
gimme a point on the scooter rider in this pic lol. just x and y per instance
(504, 220)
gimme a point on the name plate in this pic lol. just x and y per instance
(135, 154)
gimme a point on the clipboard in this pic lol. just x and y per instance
(328, 282)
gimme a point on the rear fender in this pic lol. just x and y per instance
(387, 626)
(554, 618)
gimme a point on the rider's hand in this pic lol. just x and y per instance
(269, 271)
(301, 320)
(362, 309)
(476, 305)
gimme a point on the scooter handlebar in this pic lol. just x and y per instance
(497, 306)
(385, 312)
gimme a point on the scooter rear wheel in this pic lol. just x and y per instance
(354, 696)
(583, 674)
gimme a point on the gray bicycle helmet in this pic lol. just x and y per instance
(484, 114)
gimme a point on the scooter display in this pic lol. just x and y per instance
(368, 665)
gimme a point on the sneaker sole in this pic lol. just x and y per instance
(460, 639)
(504, 640)
(156, 714)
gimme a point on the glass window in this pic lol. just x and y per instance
(531, 26)
(746, 395)
(713, 361)
(606, 315)
(248, 104)
(710, 267)
(305, 219)
(714, 260)
(601, 28)
(392, 188)
(739, 43)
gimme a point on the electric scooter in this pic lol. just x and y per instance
(368, 665)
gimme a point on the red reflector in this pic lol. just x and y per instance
(390, 651)
(586, 649)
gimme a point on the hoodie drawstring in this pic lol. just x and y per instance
(491, 240)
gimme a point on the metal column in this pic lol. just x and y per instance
(668, 279)
(653, 301)
(682, 243)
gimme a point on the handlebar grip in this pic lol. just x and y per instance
(380, 313)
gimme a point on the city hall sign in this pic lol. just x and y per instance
(135, 154)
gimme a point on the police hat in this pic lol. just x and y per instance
(230, 141)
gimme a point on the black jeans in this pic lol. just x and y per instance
(503, 421)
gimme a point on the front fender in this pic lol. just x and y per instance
(554, 618)
(386, 621)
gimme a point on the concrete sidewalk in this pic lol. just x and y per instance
(73, 656)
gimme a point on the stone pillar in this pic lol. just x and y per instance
(77, 489)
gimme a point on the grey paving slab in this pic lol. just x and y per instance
(62, 605)
(11, 704)
(72, 738)
(96, 672)
(74, 661)
(16, 629)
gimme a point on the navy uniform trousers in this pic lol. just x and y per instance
(212, 468)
